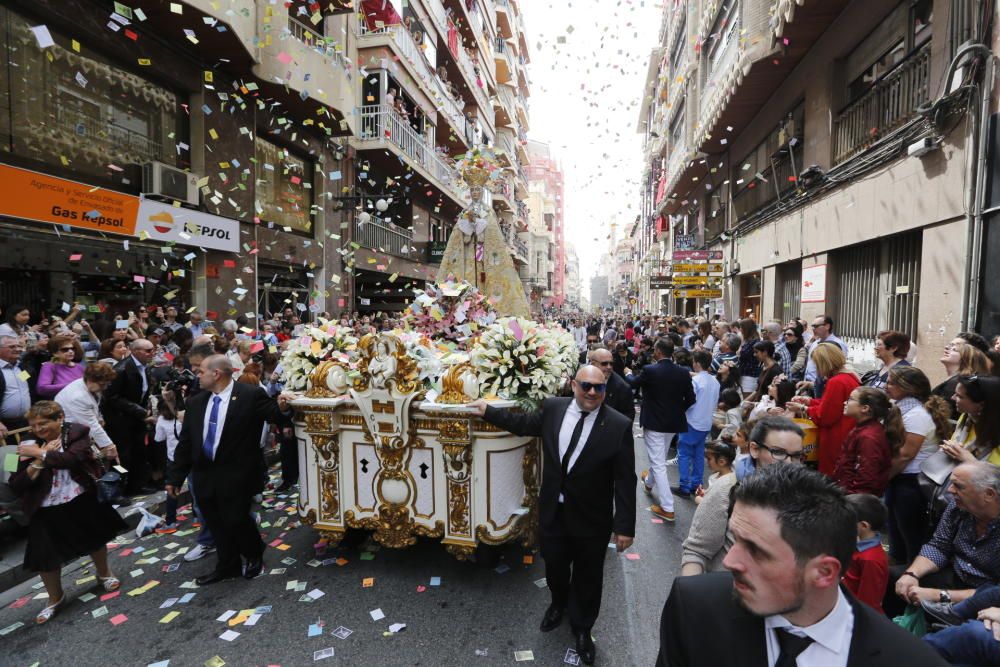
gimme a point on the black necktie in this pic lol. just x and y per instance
(573, 441)
(791, 646)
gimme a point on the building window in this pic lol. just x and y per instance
(284, 188)
(74, 109)
(678, 49)
(677, 128)
(771, 170)
(723, 32)
(907, 28)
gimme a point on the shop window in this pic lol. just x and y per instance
(74, 109)
(284, 188)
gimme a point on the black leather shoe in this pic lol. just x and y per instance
(677, 491)
(214, 577)
(284, 486)
(585, 647)
(552, 619)
(253, 567)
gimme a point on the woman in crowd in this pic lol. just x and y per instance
(926, 422)
(65, 366)
(55, 481)
(891, 348)
(960, 358)
(776, 401)
(763, 351)
(623, 358)
(828, 412)
(797, 351)
(113, 350)
(81, 400)
(708, 539)
(867, 453)
(749, 364)
(977, 435)
(17, 325)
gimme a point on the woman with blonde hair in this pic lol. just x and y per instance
(828, 412)
(55, 481)
(65, 366)
(960, 358)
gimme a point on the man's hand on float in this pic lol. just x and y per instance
(479, 406)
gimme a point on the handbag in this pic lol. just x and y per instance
(912, 621)
(933, 481)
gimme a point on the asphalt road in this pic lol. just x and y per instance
(479, 614)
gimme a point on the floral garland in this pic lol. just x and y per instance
(454, 311)
(518, 359)
(479, 166)
(326, 342)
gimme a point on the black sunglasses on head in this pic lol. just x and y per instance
(588, 386)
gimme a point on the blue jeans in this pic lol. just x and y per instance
(984, 598)
(967, 644)
(691, 459)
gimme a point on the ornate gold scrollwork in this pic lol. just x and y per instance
(453, 385)
(384, 363)
(330, 498)
(310, 518)
(330, 536)
(352, 420)
(458, 508)
(318, 386)
(427, 531)
(483, 535)
(319, 422)
(527, 525)
(454, 430)
(461, 551)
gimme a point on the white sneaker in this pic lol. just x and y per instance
(672, 462)
(198, 552)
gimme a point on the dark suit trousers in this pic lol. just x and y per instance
(235, 531)
(574, 572)
(130, 440)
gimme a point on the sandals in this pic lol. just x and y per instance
(50, 611)
(110, 582)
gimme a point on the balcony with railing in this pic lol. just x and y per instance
(720, 69)
(889, 104)
(504, 60)
(384, 238)
(381, 125)
(503, 193)
(111, 138)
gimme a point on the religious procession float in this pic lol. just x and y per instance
(386, 440)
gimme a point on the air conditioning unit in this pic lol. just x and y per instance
(162, 180)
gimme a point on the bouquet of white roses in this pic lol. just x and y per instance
(422, 350)
(326, 342)
(521, 360)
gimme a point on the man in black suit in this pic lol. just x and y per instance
(781, 603)
(126, 409)
(618, 395)
(219, 446)
(587, 494)
(667, 393)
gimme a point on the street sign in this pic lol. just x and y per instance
(697, 268)
(694, 280)
(660, 282)
(697, 255)
(698, 294)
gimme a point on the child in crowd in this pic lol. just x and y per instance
(868, 574)
(867, 452)
(168, 428)
(729, 413)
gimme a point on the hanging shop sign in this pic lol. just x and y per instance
(166, 223)
(698, 268)
(695, 280)
(30, 195)
(660, 282)
(698, 294)
(697, 255)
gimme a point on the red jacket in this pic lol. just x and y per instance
(868, 576)
(828, 415)
(865, 458)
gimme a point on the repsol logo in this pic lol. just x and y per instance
(100, 220)
(208, 232)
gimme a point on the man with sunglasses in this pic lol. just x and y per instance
(618, 395)
(587, 494)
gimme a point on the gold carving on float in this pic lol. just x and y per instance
(458, 508)
(486, 427)
(352, 420)
(457, 453)
(318, 385)
(454, 431)
(454, 386)
(527, 526)
(319, 422)
(385, 364)
(309, 518)
(331, 537)
(461, 552)
(330, 497)
(425, 424)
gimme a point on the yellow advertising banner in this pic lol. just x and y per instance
(697, 268)
(698, 294)
(33, 196)
(694, 280)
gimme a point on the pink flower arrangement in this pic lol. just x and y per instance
(455, 311)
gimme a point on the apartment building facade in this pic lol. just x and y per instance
(164, 152)
(438, 78)
(777, 134)
(545, 179)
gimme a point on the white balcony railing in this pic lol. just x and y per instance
(381, 237)
(316, 40)
(381, 123)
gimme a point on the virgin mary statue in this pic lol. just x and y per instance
(476, 251)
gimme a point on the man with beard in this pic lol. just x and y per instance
(781, 604)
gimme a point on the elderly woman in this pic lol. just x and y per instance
(891, 348)
(65, 366)
(113, 350)
(828, 412)
(55, 481)
(80, 401)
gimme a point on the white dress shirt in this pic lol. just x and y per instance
(831, 637)
(225, 395)
(142, 373)
(81, 407)
(570, 419)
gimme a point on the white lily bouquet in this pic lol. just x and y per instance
(521, 360)
(325, 342)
